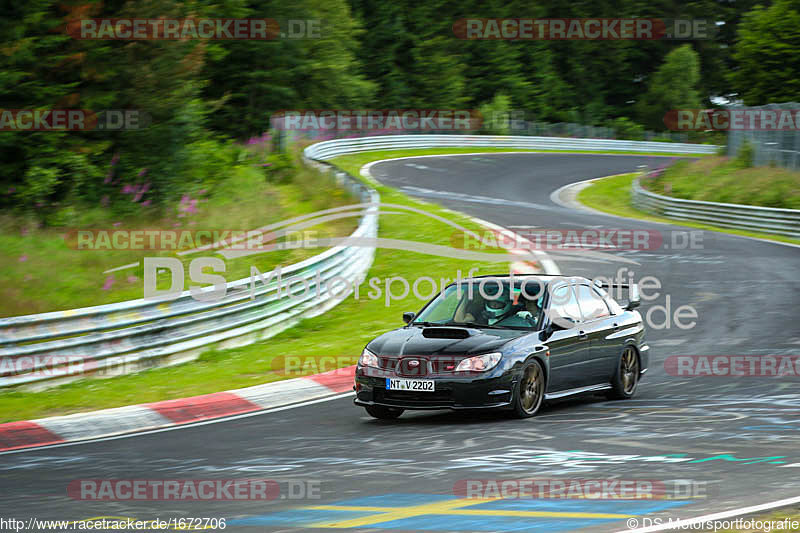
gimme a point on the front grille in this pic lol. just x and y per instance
(436, 365)
(407, 367)
(444, 365)
(387, 363)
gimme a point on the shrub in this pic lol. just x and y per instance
(496, 115)
(745, 155)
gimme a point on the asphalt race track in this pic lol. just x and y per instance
(735, 440)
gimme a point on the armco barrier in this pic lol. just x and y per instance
(328, 149)
(52, 348)
(137, 334)
(737, 216)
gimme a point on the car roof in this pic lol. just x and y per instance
(504, 277)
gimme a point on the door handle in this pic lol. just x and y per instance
(582, 335)
(616, 327)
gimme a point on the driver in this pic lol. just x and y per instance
(490, 311)
(531, 311)
(496, 310)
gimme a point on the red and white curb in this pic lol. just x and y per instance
(522, 267)
(169, 413)
(149, 416)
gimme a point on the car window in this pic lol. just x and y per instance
(591, 303)
(526, 313)
(612, 304)
(564, 305)
(443, 307)
(490, 303)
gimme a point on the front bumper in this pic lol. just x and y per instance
(451, 392)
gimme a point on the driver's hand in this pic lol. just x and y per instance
(524, 314)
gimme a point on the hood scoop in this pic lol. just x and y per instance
(445, 333)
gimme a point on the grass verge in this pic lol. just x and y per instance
(41, 270)
(726, 180)
(612, 195)
(342, 332)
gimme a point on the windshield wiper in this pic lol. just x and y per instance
(424, 324)
(473, 325)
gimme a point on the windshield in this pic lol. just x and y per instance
(487, 303)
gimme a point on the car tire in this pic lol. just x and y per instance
(529, 394)
(626, 376)
(384, 413)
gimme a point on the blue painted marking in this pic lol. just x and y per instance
(305, 517)
(488, 523)
(631, 507)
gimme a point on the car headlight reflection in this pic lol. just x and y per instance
(368, 359)
(480, 363)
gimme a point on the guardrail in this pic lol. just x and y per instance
(51, 348)
(328, 149)
(737, 216)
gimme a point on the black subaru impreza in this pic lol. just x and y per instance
(505, 342)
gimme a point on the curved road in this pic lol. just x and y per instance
(734, 441)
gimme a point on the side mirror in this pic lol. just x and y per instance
(554, 326)
(634, 300)
(408, 316)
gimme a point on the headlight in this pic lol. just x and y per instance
(480, 363)
(368, 359)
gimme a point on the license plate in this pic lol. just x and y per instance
(416, 385)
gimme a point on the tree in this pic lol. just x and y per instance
(250, 80)
(768, 55)
(673, 86)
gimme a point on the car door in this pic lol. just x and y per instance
(599, 325)
(569, 345)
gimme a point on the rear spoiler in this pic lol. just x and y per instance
(634, 299)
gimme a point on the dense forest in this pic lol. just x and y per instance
(205, 97)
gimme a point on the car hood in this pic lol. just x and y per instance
(440, 341)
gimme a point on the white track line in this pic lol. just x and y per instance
(182, 426)
(688, 522)
(548, 264)
(555, 197)
(365, 171)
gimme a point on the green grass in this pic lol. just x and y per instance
(41, 271)
(342, 332)
(720, 179)
(613, 195)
